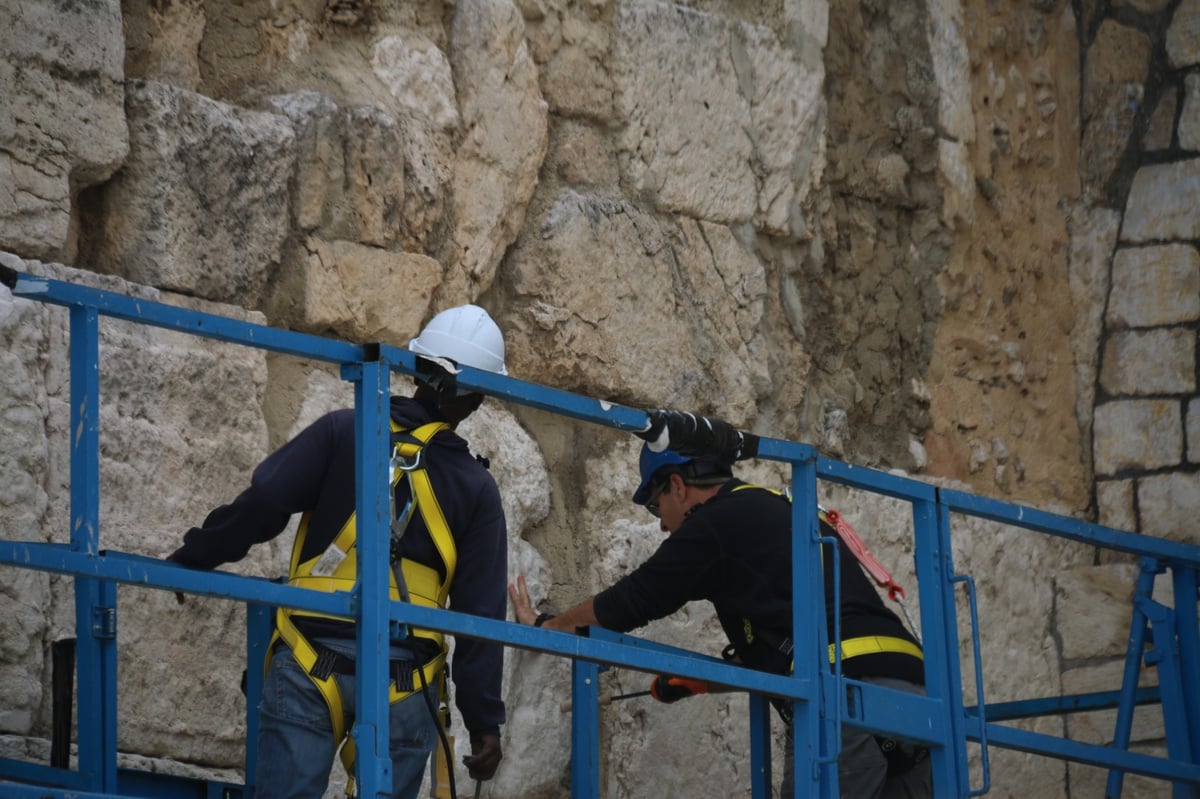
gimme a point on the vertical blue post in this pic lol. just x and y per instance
(1188, 623)
(585, 730)
(372, 433)
(95, 601)
(814, 758)
(259, 622)
(1133, 665)
(943, 673)
(760, 747)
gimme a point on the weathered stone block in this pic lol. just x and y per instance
(1093, 606)
(349, 178)
(1158, 285)
(62, 117)
(201, 206)
(1161, 129)
(1159, 361)
(1162, 203)
(1169, 505)
(1114, 501)
(507, 131)
(1098, 727)
(359, 293)
(1137, 434)
(1189, 117)
(718, 120)
(581, 320)
(1183, 35)
(181, 424)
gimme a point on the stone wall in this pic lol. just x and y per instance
(954, 239)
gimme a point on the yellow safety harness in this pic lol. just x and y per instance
(851, 647)
(335, 570)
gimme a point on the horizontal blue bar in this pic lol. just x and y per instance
(1105, 757)
(1056, 705)
(153, 573)
(874, 480)
(129, 569)
(1066, 527)
(121, 306)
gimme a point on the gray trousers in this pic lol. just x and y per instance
(862, 766)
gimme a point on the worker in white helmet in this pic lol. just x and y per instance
(449, 549)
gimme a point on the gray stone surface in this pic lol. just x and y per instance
(1189, 116)
(1161, 203)
(1169, 505)
(1137, 434)
(62, 117)
(752, 116)
(201, 206)
(1114, 504)
(1158, 285)
(1183, 35)
(1161, 361)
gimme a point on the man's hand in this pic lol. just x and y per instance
(179, 597)
(485, 757)
(522, 605)
(671, 689)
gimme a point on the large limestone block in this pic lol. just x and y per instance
(1169, 504)
(719, 120)
(357, 292)
(1161, 361)
(417, 75)
(1137, 434)
(1156, 285)
(505, 134)
(349, 177)
(181, 424)
(62, 119)
(1183, 35)
(1162, 203)
(571, 43)
(617, 304)
(1189, 118)
(201, 206)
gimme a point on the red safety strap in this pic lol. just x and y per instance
(869, 562)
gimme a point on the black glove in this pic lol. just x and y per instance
(671, 689)
(485, 756)
(702, 436)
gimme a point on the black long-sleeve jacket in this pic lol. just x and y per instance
(734, 550)
(315, 472)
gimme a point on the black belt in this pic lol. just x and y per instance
(330, 661)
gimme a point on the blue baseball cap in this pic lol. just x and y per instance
(649, 464)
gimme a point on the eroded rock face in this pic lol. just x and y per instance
(62, 122)
(885, 229)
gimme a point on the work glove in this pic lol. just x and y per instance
(668, 689)
(485, 756)
(695, 435)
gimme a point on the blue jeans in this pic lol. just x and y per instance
(862, 766)
(295, 738)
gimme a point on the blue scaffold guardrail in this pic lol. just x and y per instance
(823, 699)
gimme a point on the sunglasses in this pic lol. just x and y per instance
(655, 493)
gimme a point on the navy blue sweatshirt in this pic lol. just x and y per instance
(315, 472)
(734, 550)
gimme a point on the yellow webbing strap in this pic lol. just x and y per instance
(426, 587)
(874, 645)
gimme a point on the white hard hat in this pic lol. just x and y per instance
(465, 335)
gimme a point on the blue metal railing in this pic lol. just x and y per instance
(823, 700)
